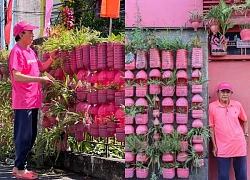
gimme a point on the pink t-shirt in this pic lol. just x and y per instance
(229, 135)
(25, 95)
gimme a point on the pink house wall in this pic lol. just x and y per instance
(161, 13)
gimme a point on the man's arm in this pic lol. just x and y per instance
(19, 77)
(245, 127)
(45, 65)
(213, 140)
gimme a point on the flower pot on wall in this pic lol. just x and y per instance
(129, 172)
(129, 129)
(110, 95)
(129, 157)
(154, 74)
(167, 91)
(94, 130)
(73, 64)
(129, 91)
(141, 59)
(154, 58)
(119, 56)
(86, 56)
(119, 98)
(102, 56)
(168, 157)
(181, 59)
(167, 59)
(129, 119)
(168, 173)
(198, 148)
(130, 61)
(197, 139)
(167, 110)
(142, 173)
(182, 172)
(93, 58)
(196, 89)
(197, 123)
(141, 91)
(182, 157)
(110, 55)
(141, 157)
(182, 80)
(245, 34)
(102, 96)
(197, 58)
(182, 111)
(167, 128)
(141, 129)
(197, 114)
(79, 62)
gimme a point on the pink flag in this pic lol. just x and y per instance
(7, 27)
(48, 11)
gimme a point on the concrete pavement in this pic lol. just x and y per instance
(55, 174)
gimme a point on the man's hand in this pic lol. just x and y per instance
(45, 80)
(55, 54)
(215, 151)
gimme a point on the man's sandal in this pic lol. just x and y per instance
(26, 175)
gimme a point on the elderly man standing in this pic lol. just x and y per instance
(26, 81)
(229, 138)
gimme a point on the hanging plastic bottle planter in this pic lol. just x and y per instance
(129, 83)
(167, 110)
(197, 82)
(141, 83)
(142, 116)
(197, 107)
(182, 83)
(154, 81)
(167, 59)
(182, 111)
(168, 79)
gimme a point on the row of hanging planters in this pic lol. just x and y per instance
(88, 93)
(144, 50)
(164, 146)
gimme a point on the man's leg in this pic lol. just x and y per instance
(22, 136)
(240, 167)
(223, 168)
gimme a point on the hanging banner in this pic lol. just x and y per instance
(110, 8)
(7, 28)
(48, 11)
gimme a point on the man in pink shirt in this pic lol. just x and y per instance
(229, 138)
(25, 70)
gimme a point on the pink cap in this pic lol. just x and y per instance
(23, 26)
(224, 86)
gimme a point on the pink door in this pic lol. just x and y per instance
(237, 74)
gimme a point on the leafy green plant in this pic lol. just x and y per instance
(195, 16)
(197, 107)
(129, 82)
(139, 39)
(166, 44)
(4, 56)
(155, 81)
(153, 102)
(196, 42)
(199, 81)
(171, 80)
(135, 143)
(203, 131)
(180, 44)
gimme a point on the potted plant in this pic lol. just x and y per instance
(212, 18)
(129, 170)
(129, 87)
(141, 83)
(142, 170)
(197, 111)
(154, 52)
(167, 110)
(167, 54)
(181, 53)
(167, 146)
(168, 83)
(197, 55)
(154, 104)
(197, 82)
(218, 40)
(168, 170)
(139, 43)
(199, 135)
(182, 170)
(195, 19)
(129, 55)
